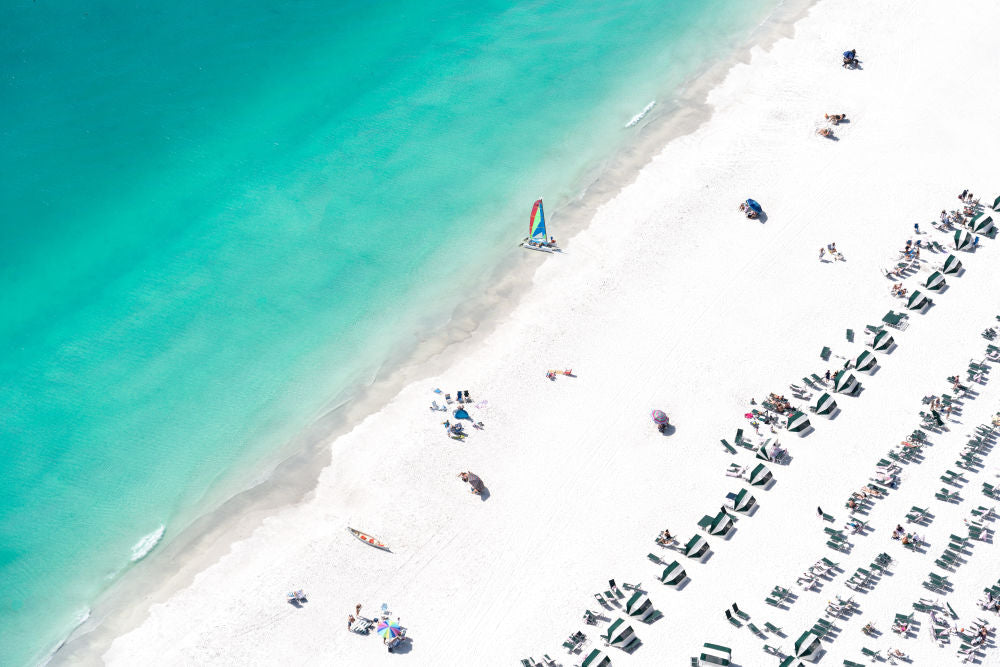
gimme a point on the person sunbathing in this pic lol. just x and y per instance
(835, 118)
(825, 132)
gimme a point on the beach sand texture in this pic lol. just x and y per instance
(670, 299)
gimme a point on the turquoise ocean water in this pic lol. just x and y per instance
(214, 220)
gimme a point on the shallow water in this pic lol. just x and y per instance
(218, 219)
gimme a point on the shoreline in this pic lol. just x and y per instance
(173, 566)
(679, 352)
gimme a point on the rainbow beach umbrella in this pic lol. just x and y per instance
(659, 416)
(389, 629)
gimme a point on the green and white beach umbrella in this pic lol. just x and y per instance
(762, 453)
(743, 502)
(798, 422)
(865, 361)
(638, 604)
(616, 634)
(825, 405)
(951, 265)
(696, 547)
(882, 341)
(673, 574)
(760, 475)
(981, 225)
(621, 636)
(716, 655)
(597, 658)
(720, 524)
(963, 239)
(806, 645)
(791, 661)
(935, 281)
(845, 382)
(916, 301)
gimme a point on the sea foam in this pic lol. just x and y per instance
(642, 114)
(141, 548)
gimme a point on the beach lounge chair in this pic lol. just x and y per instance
(744, 616)
(729, 617)
(729, 448)
(772, 650)
(850, 335)
(755, 630)
(773, 628)
(825, 354)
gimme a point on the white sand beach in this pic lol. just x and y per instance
(671, 299)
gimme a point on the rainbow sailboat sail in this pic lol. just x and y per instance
(536, 224)
(538, 237)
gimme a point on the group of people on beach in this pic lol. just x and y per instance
(832, 119)
(906, 538)
(831, 249)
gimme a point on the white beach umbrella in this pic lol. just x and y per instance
(882, 341)
(797, 422)
(981, 225)
(935, 281)
(865, 361)
(845, 382)
(743, 502)
(825, 405)
(951, 265)
(916, 301)
(673, 574)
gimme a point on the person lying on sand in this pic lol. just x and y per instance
(835, 118)
(825, 132)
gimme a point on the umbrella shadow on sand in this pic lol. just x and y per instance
(669, 430)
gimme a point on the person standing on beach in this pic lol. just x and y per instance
(821, 252)
(350, 621)
(916, 227)
(357, 609)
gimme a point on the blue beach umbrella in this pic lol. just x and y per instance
(754, 206)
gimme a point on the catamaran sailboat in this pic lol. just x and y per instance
(538, 238)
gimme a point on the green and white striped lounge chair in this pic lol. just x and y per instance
(760, 475)
(597, 658)
(825, 405)
(935, 282)
(797, 422)
(963, 240)
(673, 574)
(916, 301)
(951, 264)
(806, 645)
(696, 547)
(716, 655)
(882, 341)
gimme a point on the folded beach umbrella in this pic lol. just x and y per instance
(660, 417)
(865, 361)
(806, 645)
(963, 239)
(743, 502)
(845, 382)
(475, 482)
(673, 574)
(981, 225)
(716, 655)
(916, 301)
(696, 547)
(597, 658)
(638, 604)
(720, 524)
(797, 422)
(951, 265)
(825, 405)
(760, 475)
(935, 281)
(882, 341)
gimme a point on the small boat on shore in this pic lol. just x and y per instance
(368, 539)
(538, 238)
